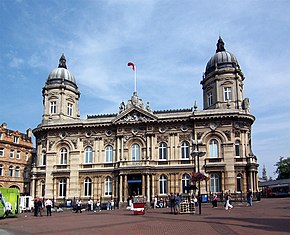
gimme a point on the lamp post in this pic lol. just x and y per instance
(197, 154)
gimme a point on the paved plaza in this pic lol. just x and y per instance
(269, 216)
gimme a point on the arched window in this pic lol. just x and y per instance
(109, 153)
(185, 150)
(63, 156)
(214, 183)
(185, 183)
(1, 170)
(213, 148)
(163, 184)
(88, 187)
(17, 171)
(135, 152)
(88, 155)
(42, 185)
(239, 183)
(108, 186)
(25, 173)
(237, 148)
(43, 163)
(62, 188)
(162, 151)
(10, 172)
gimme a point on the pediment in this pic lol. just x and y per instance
(134, 115)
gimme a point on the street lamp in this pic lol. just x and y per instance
(196, 153)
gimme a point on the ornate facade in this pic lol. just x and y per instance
(15, 159)
(137, 151)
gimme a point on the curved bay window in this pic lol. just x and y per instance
(17, 171)
(214, 183)
(63, 156)
(239, 183)
(88, 155)
(42, 188)
(185, 150)
(88, 187)
(213, 148)
(162, 151)
(109, 153)
(62, 188)
(163, 184)
(237, 148)
(10, 172)
(108, 186)
(135, 152)
(185, 183)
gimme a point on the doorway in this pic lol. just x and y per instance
(134, 185)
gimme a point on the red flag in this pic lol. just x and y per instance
(132, 64)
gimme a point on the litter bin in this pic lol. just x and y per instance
(204, 198)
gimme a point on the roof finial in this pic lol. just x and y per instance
(62, 62)
(220, 45)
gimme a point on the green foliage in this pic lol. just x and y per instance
(283, 168)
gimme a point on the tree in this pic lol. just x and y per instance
(283, 168)
(264, 173)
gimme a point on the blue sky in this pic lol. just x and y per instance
(169, 40)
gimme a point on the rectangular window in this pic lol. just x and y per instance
(16, 139)
(227, 93)
(43, 159)
(52, 107)
(209, 99)
(12, 153)
(18, 155)
(1, 152)
(69, 109)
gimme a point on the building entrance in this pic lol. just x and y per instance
(134, 185)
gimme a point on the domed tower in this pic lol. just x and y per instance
(60, 94)
(222, 82)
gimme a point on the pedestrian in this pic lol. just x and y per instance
(39, 205)
(214, 201)
(35, 206)
(155, 202)
(172, 203)
(250, 197)
(90, 205)
(79, 206)
(228, 203)
(48, 204)
(98, 206)
(112, 204)
(177, 204)
(108, 205)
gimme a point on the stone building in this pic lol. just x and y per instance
(16, 151)
(137, 151)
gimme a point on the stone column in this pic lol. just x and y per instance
(121, 188)
(153, 186)
(125, 188)
(148, 188)
(143, 185)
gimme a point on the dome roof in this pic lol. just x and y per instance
(221, 59)
(61, 75)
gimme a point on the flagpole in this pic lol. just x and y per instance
(135, 80)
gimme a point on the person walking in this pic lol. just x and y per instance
(177, 204)
(250, 197)
(39, 205)
(90, 205)
(48, 204)
(172, 203)
(214, 201)
(228, 203)
(79, 206)
(35, 206)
